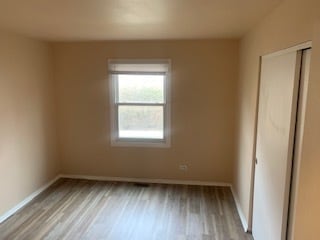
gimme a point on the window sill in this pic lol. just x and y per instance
(137, 143)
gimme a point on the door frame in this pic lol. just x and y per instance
(301, 110)
(300, 114)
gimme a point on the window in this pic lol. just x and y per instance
(140, 112)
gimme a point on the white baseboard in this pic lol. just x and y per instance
(146, 180)
(13, 210)
(241, 215)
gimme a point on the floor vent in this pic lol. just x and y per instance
(142, 184)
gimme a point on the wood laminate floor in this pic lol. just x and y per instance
(96, 210)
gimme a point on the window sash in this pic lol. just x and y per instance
(117, 103)
(139, 104)
(136, 73)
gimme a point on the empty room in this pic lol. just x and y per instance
(159, 119)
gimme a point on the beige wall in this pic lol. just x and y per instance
(27, 133)
(204, 74)
(293, 22)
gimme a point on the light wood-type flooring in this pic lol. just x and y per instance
(96, 210)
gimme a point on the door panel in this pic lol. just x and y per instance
(279, 82)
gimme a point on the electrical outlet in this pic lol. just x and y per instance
(183, 167)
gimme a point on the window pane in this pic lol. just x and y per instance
(140, 88)
(141, 122)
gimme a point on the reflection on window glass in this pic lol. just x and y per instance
(140, 88)
(141, 122)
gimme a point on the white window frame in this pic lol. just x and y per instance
(116, 141)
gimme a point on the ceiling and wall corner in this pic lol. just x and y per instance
(73, 20)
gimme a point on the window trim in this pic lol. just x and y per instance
(140, 142)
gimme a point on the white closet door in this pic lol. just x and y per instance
(279, 83)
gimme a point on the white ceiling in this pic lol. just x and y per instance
(132, 19)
